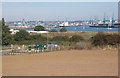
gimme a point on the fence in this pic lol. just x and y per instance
(20, 50)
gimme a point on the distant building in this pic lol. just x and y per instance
(12, 31)
(90, 22)
(66, 24)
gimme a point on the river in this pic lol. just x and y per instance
(83, 29)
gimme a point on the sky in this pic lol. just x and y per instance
(60, 0)
(51, 11)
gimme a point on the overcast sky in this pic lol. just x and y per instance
(14, 11)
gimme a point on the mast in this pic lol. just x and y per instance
(23, 22)
(96, 20)
(113, 19)
(58, 21)
(104, 20)
(90, 21)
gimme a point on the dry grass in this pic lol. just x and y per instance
(83, 45)
(85, 35)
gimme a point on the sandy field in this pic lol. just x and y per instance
(63, 63)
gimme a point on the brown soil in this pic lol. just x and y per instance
(63, 63)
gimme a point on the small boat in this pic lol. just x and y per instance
(64, 26)
(83, 27)
(109, 28)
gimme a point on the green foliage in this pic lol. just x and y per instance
(38, 37)
(6, 39)
(28, 42)
(63, 30)
(30, 39)
(35, 37)
(60, 38)
(53, 30)
(76, 38)
(39, 28)
(3, 22)
(0, 32)
(22, 35)
(6, 36)
(5, 29)
(0, 22)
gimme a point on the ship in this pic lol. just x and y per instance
(64, 24)
(106, 23)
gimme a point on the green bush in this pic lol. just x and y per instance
(53, 30)
(63, 30)
(35, 37)
(60, 38)
(29, 42)
(6, 37)
(76, 38)
(39, 28)
(22, 35)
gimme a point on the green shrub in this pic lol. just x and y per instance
(53, 30)
(6, 39)
(60, 38)
(38, 37)
(76, 38)
(39, 28)
(22, 35)
(35, 37)
(63, 30)
(5, 36)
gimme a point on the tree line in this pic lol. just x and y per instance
(23, 37)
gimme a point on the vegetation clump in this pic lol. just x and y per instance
(39, 28)
(6, 36)
(60, 38)
(76, 38)
(63, 30)
(102, 39)
(22, 35)
(53, 30)
(83, 45)
(82, 41)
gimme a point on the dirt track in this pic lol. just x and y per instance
(63, 63)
